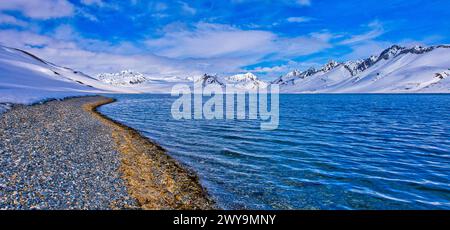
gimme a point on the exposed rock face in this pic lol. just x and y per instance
(209, 80)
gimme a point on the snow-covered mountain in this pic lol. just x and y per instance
(125, 77)
(26, 78)
(395, 70)
(136, 80)
(207, 79)
(247, 81)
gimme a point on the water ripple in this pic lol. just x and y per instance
(330, 151)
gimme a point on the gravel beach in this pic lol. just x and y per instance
(65, 155)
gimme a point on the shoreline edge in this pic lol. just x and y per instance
(153, 178)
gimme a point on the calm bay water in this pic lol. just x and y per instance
(329, 152)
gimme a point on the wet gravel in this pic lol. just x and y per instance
(57, 156)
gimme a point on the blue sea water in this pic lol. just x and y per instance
(329, 152)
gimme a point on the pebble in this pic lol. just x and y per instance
(55, 155)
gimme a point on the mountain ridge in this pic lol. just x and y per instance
(26, 78)
(394, 63)
(356, 70)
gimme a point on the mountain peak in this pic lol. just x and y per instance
(124, 77)
(243, 77)
(391, 52)
(207, 79)
(246, 81)
(330, 65)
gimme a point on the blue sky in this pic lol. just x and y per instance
(165, 38)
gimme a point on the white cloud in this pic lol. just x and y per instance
(160, 6)
(64, 47)
(208, 40)
(324, 35)
(365, 44)
(39, 9)
(366, 49)
(376, 30)
(299, 46)
(298, 19)
(18, 39)
(10, 20)
(205, 48)
(87, 15)
(277, 69)
(304, 2)
(92, 2)
(188, 9)
(271, 73)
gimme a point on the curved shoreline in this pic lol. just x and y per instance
(178, 188)
(64, 154)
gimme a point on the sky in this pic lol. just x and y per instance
(184, 38)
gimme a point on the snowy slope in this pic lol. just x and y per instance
(314, 80)
(25, 79)
(441, 86)
(396, 70)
